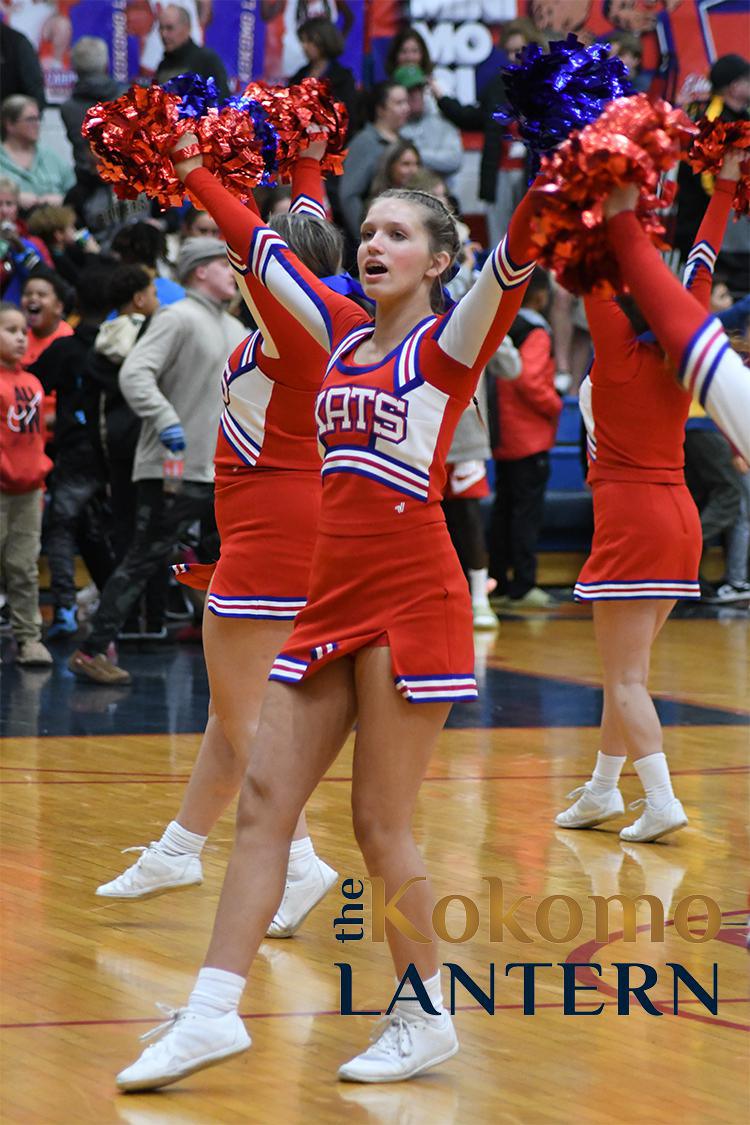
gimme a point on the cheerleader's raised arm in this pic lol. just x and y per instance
(265, 258)
(699, 267)
(706, 364)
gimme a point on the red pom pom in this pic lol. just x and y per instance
(709, 148)
(297, 111)
(131, 139)
(633, 141)
(231, 150)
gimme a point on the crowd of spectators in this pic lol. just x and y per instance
(111, 299)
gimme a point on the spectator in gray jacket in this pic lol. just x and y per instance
(438, 142)
(90, 60)
(389, 110)
(171, 380)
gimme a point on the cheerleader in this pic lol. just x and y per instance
(386, 635)
(267, 503)
(647, 536)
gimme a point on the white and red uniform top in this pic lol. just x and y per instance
(271, 379)
(384, 430)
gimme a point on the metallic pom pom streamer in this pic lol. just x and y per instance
(633, 141)
(551, 94)
(709, 148)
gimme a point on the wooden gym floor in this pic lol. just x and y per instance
(87, 771)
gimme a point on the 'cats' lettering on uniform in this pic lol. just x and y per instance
(362, 410)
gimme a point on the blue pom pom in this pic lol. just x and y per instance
(198, 94)
(263, 129)
(550, 95)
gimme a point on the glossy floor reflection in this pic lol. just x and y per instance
(169, 693)
(87, 771)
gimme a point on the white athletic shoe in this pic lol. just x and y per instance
(591, 808)
(153, 873)
(190, 1042)
(300, 897)
(484, 617)
(654, 823)
(402, 1047)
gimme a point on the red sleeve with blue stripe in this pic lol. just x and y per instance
(324, 315)
(706, 364)
(307, 188)
(699, 267)
(283, 337)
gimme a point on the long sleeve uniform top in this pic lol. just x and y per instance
(385, 429)
(635, 410)
(705, 363)
(272, 377)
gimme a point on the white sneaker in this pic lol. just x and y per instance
(591, 808)
(403, 1047)
(190, 1042)
(154, 873)
(300, 897)
(654, 823)
(484, 618)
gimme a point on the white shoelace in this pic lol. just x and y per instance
(172, 1014)
(392, 1034)
(577, 792)
(637, 804)
(127, 877)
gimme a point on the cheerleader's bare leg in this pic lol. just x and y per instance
(239, 654)
(394, 743)
(625, 632)
(300, 732)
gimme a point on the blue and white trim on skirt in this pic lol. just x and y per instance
(630, 591)
(270, 609)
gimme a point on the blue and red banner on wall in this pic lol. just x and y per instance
(258, 38)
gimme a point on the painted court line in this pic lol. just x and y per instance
(150, 779)
(332, 1012)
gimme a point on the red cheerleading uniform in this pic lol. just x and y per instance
(383, 567)
(647, 536)
(268, 486)
(706, 365)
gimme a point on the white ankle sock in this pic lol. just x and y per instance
(301, 855)
(606, 773)
(406, 1004)
(176, 840)
(216, 992)
(654, 774)
(478, 586)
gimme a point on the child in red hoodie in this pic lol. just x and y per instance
(23, 467)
